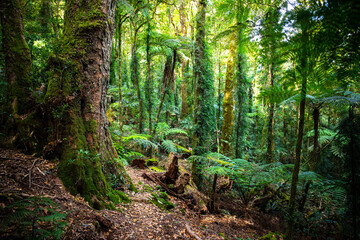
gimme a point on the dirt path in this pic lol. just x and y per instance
(23, 176)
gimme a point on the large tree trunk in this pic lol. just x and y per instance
(17, 61)
(228, 102)
(204, 111)
(77, 94)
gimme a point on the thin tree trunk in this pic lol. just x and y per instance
(284, 127)
(353, 150)
(167, 79)
(314, 155)
(270, 130)
(184, 104)
(219, 96)
(295, 175)
(137, 84)
(121, 118)
(213, 194)
(149, 83)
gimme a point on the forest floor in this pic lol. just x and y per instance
(23, 176)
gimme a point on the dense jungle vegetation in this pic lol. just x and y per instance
(258, 98)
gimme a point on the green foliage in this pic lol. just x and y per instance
(35, 218)
(162, 201)
(157, 169)
(141, 140)
(169, 146)
(273, 236)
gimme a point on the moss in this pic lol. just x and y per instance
(157, 169)
(84, 175)
(151, 162)
(82, 18)
(17, 59)
(81, 167)
(147, 188)
(272, 236)
(162, 201)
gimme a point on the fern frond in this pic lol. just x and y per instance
(140, 140)
(169, 146)
(310, 176)
(175, 131)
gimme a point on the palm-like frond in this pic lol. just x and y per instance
(169, 146)
(141, 140)
(175, 131)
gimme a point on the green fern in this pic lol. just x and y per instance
(169, 146)
(35, 218)
(141, 140)
(175, 131)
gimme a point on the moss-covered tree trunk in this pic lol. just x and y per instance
(271, 120)
(167, 81)
(228, 101)
(204, 111)
(149, 80)
(135, 73)
(122, 19)
(184, 80)
(17, 65)
(77, 98)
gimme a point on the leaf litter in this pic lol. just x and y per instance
(23, 176)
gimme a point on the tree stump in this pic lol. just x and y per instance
(172, 173)
(139, 163)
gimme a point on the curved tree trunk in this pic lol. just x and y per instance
(77, 94)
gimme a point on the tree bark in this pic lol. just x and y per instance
(295, 174)
(204, 111)
(149, 81)
(228, 102)
(77, 93)
(168, 76)
(17, 59)
(121, 21)
(184, 104)
(270, 130)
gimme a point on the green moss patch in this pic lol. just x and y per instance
(162, 201)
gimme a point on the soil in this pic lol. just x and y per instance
(23, 176)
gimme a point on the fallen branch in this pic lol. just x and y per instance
(163, 185)
(30, 172)
(7, 158)
(191, 233)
